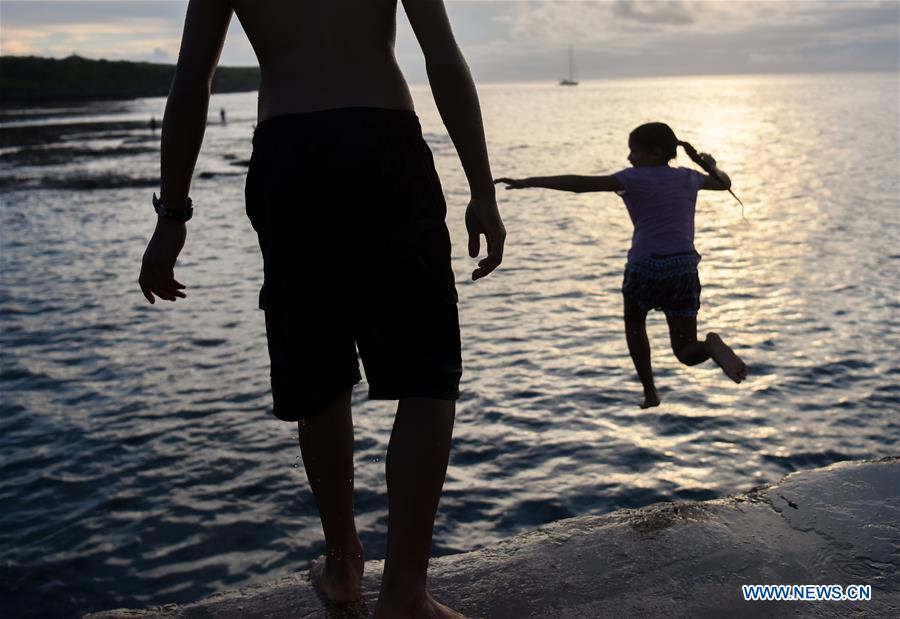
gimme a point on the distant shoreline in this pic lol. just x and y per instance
(32, 79)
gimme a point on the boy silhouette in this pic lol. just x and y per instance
(349, 212)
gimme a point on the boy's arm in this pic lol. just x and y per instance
(457, 101)
(182, 134)
(184, 121)
(569, 182)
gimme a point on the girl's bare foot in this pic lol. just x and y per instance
(731, 364)
(426, 608)
(650, 402)
(338, 576)
(651, 399)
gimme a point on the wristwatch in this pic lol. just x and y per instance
(178, 214)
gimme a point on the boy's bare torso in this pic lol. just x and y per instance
(323, 55)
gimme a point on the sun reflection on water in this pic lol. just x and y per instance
(115, 409)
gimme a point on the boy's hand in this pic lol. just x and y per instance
(483, 217)
(511, 183)
(708, 159)
(158, 267)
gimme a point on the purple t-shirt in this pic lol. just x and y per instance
(661, 202)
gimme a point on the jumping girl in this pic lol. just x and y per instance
(661, 272)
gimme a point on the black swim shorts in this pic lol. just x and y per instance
(669, 283)
(349, 213)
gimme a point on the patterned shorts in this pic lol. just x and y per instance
(669, 283)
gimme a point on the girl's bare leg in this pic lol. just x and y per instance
(639, 349)
(690, 351)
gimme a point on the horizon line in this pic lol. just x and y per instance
(536, 80)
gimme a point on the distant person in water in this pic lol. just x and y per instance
(222, 115)
(661, 271)
(153, 124)
(349, 212)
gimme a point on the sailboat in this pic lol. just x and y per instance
(570, 81)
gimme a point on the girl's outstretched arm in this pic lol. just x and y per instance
(568, 182)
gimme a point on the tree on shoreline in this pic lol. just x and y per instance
(25, 79)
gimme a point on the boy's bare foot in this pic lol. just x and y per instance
(338, 576)
(427, 608)
(731, 364)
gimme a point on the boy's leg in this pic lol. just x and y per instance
(326, 442)
(690, 351)
(416, 463)
(639, 349)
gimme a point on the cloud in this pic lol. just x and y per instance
(773, 60)
(612, 22)
(673, 12)
(161, 55)
(114, 38)
(646, 37)
(527, 39)
(131, 30)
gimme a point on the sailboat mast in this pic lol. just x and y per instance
(570, 81)
(571, 64)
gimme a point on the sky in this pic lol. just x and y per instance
(522, 40)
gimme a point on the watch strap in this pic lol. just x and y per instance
(176, 214)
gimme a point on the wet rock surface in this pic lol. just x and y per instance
(32, 156)
(835, 525)
(52, 133)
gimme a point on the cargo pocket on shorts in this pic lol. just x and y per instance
(254, 208)
(433, 262)
(432, 180)
(251, 193)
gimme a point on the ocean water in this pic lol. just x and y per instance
(140, 461)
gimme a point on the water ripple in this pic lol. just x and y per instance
(141, 464)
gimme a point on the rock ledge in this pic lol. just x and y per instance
(835, 525)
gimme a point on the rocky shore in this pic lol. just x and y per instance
(835, 525)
